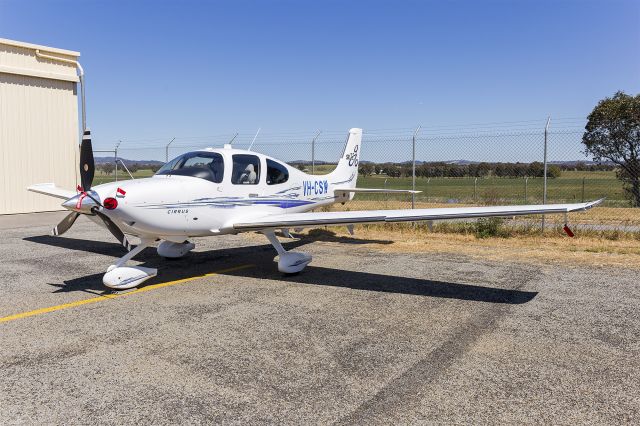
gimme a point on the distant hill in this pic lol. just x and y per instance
(309, 162)
(568, 163)
(586, 163)
(104, 160)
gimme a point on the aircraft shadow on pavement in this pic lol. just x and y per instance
(92, 246)
(263, 267)
(329, 277)
(330, 236)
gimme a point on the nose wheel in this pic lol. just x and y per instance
(121, 277)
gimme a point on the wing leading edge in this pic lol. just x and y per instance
(302, 220)
(51, 190)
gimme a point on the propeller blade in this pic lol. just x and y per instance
(87, 165)
(113, 228)
(65, 224)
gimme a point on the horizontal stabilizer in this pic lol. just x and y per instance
(377, 190)
(52, 190)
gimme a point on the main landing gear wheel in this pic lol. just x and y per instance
(121, 277)
(289, 262)
(172, 250)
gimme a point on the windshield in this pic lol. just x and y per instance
(204, 165)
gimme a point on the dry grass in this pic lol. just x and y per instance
(598, 215)
(552, 248)
(519, 241)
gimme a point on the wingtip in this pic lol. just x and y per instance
(579, 207)
(591, 204)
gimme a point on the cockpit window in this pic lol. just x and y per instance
(204, 165)
(276, 173)
(246, 170)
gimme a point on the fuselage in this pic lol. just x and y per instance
(174, 205)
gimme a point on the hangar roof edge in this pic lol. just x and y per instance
(40, 47)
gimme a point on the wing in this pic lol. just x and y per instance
(52, 190)
(311, 219)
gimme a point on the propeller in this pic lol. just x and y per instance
(87, 165)
(87, 172)
(65, 224)
(113, 228)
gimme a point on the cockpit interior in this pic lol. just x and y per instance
(245, 168)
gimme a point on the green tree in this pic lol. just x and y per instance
(483, 169)
(535, 169)
(366, 169)
(107, 168)
(553, 171)
(613, 133)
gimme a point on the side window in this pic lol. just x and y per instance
(276, 173)
(246, 169)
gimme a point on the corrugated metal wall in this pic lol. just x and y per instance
(38, 126)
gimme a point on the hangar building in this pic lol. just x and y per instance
(39, 130)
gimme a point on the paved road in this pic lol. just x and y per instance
(359, 337)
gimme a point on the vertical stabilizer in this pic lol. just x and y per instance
(346, 173)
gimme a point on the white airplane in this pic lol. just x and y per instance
(227, 191)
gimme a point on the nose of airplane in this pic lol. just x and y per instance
(83, 202)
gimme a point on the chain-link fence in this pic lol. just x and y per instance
(450, 166)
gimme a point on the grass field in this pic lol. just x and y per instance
(122, 175)
(572, 186)
(602, 215)
(445, 192)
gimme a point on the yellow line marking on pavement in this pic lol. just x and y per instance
(104, 297)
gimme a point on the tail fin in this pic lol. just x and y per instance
(346, 173)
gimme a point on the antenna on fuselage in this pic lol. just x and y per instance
(233, 138)
(254, 138)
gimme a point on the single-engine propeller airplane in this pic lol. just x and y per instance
(228, 191)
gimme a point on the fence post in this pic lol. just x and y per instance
(115, 153)
(544, 189)
(386, 195)
(583, 189)
(475, 189)
(413, 169)
(526, 188)
(426, 189)
(313, 152)
(166, 151)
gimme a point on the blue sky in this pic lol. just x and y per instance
(158, 69)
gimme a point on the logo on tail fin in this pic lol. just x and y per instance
(353, 157)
